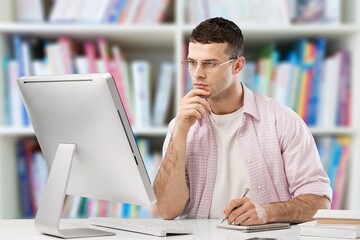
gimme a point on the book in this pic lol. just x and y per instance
(15, 100)
(24, 181)
(320, 238)
(22, 54)
(310, 11)
(328, 98)
(255, 228)
(329, 230)
(66, 54)
(122, 81)
(141, 77)
(6, 117)
(163, 94)
(40, 172)
(57, 11)
(81, 64)
(313, 101)
(343, 108)
(115, 10)
(281, 84)
(90, 53)
(333, 10)
(32, 10)
(341, 173)
(323, 216)
(317, 11)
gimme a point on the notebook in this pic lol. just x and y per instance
(255, 228)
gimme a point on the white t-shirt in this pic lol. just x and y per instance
(232, 177)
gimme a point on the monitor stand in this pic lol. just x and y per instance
(48, 216)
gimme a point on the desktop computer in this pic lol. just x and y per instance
(86, 139)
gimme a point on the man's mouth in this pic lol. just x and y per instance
(200, 86)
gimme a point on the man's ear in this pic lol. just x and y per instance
(238, 64)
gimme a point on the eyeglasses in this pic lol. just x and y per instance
(191, 65)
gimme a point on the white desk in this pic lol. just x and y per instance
(204, 229)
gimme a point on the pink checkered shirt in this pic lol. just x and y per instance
(276, 146)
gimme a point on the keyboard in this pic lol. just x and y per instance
(156, 227)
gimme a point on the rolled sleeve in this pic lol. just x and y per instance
(304, 171)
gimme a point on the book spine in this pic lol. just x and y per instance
(120, 81)
(316, 79)
(66, 55)
(141, 78)
(90, 52)
(25, 189)
(15, 98)
(163, 94)
(6, 92)
(22, 55)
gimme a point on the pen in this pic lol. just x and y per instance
(243, 195)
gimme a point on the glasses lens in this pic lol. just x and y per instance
(206, 66)
(210, 67)
(186, 65)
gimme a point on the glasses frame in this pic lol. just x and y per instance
(186, 66)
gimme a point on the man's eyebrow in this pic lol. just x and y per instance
(206, 60)
(211, 60)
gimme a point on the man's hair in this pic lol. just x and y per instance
(220, 30)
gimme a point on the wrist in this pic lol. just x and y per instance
(268, 214)
(179, 131)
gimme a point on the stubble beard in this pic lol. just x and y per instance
(220, 96)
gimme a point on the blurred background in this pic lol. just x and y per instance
(303, 53)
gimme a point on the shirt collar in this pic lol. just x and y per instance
(250, 106)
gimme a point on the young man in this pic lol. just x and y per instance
(225, 139)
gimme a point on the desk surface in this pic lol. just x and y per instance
(15, 229)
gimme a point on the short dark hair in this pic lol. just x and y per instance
(219, 30)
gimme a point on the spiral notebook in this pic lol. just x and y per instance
(255, 228)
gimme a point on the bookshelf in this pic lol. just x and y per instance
(160, 42)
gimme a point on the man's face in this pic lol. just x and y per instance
(215, 82)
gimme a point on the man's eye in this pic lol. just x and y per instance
(210, 65)
(192, 62)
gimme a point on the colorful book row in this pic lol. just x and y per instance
(33, 173)
(93, 11)
(335, 156)
(146, 98)
(279, 12)
(312, 81)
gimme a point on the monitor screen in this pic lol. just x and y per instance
(86, 139)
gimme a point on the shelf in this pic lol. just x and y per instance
(22, 132)
(161, 131)
(16, 132)
(275, 32)
(319, 131)
(129, 36)
(136, 32)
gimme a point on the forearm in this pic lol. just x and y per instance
(170, 183)
(299, 209)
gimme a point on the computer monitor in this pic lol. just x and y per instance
(86, 139)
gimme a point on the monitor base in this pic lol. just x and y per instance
(48, 217)
(81, 233)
